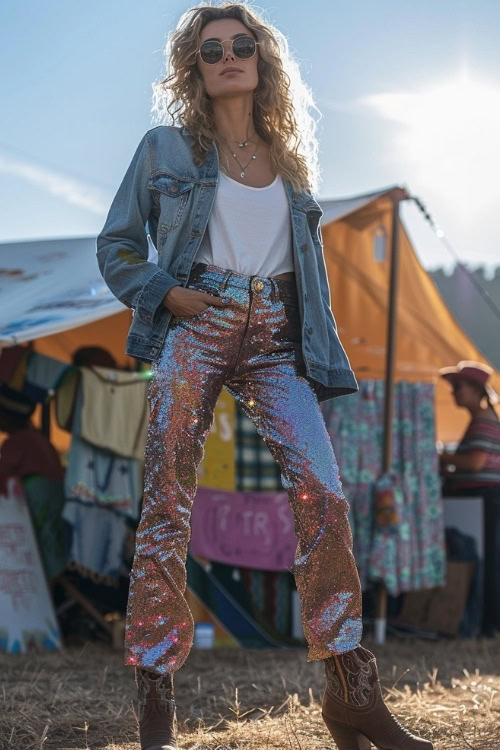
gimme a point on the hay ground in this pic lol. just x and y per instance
(449, 691)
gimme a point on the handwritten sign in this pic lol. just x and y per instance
(245, 529)
(27, 618)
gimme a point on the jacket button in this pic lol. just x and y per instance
(309, 331)
(154, 350)
(304, 247)
(174, 188)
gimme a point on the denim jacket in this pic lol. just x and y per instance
(164, 189)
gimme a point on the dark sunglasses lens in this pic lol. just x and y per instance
(244, 47)
(211, 52)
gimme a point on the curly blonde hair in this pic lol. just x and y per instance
(283, 103)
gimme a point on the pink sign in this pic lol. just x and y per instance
(245, 529)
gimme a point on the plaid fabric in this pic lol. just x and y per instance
(256, 469)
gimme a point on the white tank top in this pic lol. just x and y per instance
(249, 229)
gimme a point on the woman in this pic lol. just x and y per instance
(474, 469)
(476, 462)
(240, 299)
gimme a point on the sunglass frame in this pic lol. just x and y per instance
(221, 45)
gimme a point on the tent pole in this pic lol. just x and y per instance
(381, 592)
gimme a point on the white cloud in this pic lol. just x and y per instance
(71, 190)
(448, 140)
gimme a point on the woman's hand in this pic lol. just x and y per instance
(184, 302)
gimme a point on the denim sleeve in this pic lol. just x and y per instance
(122, 245)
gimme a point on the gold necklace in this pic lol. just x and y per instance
(241, 166)
(240, 144)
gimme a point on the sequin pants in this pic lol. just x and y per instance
(253, 348)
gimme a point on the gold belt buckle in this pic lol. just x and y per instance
(257, 285)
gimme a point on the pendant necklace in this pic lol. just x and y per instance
(243, 167)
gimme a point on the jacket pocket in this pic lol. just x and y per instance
(199, 286)
(173, 194)
(314, 214)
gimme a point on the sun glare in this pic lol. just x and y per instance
(449, 142)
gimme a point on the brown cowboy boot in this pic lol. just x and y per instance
(354, 710)
(156, 710)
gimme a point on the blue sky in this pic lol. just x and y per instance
(409, 92)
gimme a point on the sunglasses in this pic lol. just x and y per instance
(243, 47)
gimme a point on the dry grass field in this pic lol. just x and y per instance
(254, 700)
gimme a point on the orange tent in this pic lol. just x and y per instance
(357, 240)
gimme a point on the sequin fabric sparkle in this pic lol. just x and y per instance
(252, 346)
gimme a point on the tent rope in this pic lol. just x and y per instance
(442, 237)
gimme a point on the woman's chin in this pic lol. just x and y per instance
(232, 87)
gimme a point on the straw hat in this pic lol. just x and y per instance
(471, 371)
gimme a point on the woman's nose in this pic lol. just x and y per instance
(228, 51)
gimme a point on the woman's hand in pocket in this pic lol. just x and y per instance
(184, 302)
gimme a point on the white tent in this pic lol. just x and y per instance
(49, 286)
